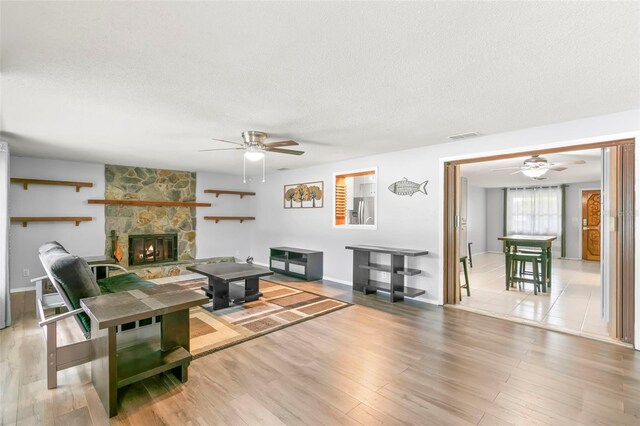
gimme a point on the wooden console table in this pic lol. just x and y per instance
(396, 270)
(113, 367)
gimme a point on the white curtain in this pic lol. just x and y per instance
(535, 211)
(5, 308)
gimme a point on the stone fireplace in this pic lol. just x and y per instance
(152, 248)
(151, 223)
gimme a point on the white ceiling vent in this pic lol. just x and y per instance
(464, 136)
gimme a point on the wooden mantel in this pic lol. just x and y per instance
(25, 182)
(25, 220)
(151, 203)
(218, 192)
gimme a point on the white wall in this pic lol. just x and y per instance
(495, 219)
(477, 218)
(225, 238)
(403, 221)
(574, 217)
(40, 200)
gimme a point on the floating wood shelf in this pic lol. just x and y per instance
(219, 218)
(222, 191)
(151, 203)
(26, 182)
(26, 220)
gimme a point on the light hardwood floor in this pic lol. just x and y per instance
(372, 363)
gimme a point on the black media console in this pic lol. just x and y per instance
(396, 288)
(300, 263)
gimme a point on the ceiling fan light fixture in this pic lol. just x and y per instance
(534, 172)
(254, 156)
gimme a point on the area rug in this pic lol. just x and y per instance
(279, 307)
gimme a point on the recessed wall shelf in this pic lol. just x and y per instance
(219, 218)
(26, 220)
(218, 192)
(151, 203)
(25, 182)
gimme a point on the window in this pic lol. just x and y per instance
(355, 199)
(534, 211)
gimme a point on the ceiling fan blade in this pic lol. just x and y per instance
(557, 168)
(568, 163)
(506, 169)
(220, 149)
(281, 143)
(222, 140)
(283, 151)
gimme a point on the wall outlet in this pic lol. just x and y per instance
(25, 272)
(385, 275)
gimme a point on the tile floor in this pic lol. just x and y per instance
(572, 304)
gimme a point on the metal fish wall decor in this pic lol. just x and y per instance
(406, 187)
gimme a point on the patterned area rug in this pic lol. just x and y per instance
(280, 307)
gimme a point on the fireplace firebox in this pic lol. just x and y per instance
(152, 248)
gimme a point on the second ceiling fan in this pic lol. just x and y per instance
(535, 167)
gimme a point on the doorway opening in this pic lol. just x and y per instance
(544, 237)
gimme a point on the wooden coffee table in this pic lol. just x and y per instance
(222, 275)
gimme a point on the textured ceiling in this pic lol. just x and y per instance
(148, 83)
(483, 174)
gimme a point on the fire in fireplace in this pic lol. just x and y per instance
(153, 248)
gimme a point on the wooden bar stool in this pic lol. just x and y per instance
(463, 260)
(518, 260)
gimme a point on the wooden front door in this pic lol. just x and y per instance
(591, 225)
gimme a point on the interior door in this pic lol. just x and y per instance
(452, 199)
(591, 225)
(463, 236)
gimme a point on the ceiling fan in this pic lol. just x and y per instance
(535, 167)
(254, 148)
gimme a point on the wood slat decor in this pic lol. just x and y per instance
(25, 182)
(219, 218)
(341, 203)
(218, 192)
(151, 203)
(25, 220)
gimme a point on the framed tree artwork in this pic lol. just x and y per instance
(304, 195)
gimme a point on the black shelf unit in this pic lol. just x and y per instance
(396, 288)
(295, 262)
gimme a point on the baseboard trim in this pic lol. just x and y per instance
(336, 280)
(22, 289)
